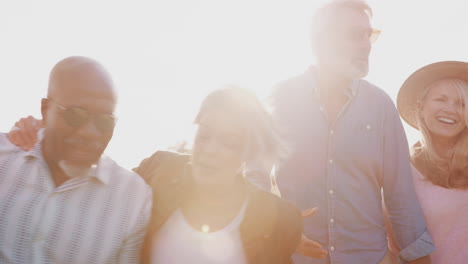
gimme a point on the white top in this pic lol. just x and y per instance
(97, 218)
(179, 243)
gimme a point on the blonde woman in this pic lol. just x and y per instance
(433, 100)
(205, 211)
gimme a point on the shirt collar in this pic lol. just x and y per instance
(101, 171)
(350, 91)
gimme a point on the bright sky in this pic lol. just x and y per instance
(166, 55)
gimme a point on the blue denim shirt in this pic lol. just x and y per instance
(344, 169)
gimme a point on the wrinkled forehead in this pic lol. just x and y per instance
(349, 18)
(342, 19)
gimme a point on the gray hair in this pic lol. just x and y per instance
(328, 14)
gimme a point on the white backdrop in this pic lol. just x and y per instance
(166, 55)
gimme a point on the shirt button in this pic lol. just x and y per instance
(368, 127)
(330, 161)
(332, 220)
(332, 248)
(321, 109)
(332, 132)
(330, 191)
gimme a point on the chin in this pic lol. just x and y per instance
(73, 170)
(82, 159)
(359, 72)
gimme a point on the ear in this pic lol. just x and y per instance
(44, 109)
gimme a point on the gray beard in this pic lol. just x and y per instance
(73, 171)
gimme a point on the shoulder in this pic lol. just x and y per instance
(374, 92)
(6, 146)
(162, 164)
(376, 98)
(293, 86)
(118, 177)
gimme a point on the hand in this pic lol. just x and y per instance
(24, 133)
(308, 247)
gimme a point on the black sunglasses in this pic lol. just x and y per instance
(76, 117)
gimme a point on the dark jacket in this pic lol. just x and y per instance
(270, 230)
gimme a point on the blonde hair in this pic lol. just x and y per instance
(262, 138)
(451, 173)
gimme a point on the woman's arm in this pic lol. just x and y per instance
(24, 133)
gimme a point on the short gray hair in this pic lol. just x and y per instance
(328, 13)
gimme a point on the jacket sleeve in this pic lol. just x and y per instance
(149, 166)
(291, 228)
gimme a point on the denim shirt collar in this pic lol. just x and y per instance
(350, 91)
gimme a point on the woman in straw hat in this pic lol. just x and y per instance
(433, 100)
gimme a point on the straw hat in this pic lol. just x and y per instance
(413, 88)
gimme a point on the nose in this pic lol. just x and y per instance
(89, 130)
(452, 107)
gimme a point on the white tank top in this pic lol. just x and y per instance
(177, 242)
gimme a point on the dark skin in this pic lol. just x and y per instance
(81, 82)
(219, 194)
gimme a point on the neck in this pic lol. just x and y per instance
(219, 193)
(60, 170)
(444, 147)
(214, 207)
(329, 81)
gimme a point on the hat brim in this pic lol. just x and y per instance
(413, 88)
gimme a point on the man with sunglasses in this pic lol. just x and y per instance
(347, 145)
(63, 201)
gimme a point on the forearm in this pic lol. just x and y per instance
(404, 212)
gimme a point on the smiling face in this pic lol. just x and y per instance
(218, 149)
(443, 110)
(77, 85)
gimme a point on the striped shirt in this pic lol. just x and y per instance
(100, 218)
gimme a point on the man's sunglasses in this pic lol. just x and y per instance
(77, 117)
(356, 35)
